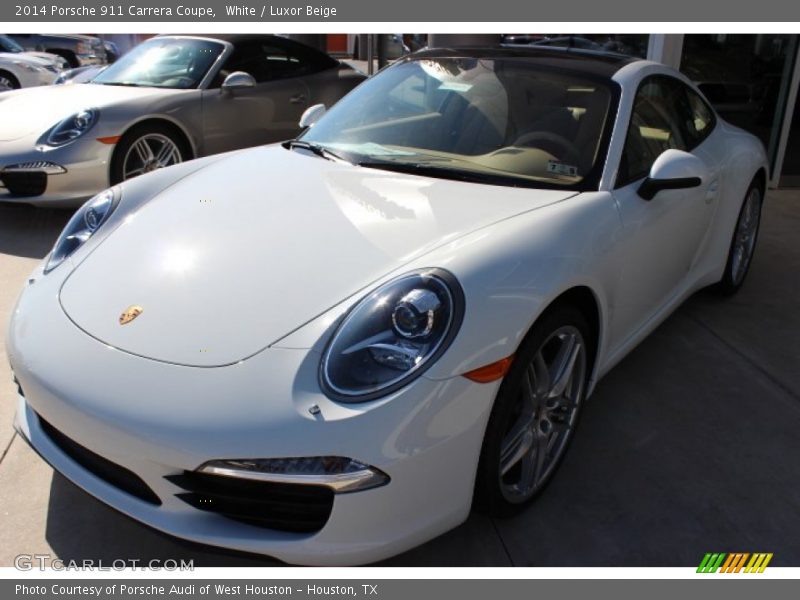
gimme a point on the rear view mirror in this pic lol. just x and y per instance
(673, 170)
(311, 115)
(238, 80)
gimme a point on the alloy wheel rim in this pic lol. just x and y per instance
(148, 153)
(5, 84)
(544, 416)
(745, 235)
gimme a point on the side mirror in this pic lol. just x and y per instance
(238, 80)
(311, 115)
(673, 170)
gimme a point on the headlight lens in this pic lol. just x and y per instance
(72, 127)
(28, 66)
(392, 336)
(83, 224)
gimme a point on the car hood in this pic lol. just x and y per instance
(34, 110)
(242, 252)
(35, 59)
(45, 58)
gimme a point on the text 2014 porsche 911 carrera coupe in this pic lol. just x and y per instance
(329, 350)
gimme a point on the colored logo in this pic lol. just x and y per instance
(737, 562)
(129, 314)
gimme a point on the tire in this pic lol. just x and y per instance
(70, 57)
(140, 151)
(546, 419)
(743, 241)
(8, 82)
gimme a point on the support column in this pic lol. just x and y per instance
(666, 48)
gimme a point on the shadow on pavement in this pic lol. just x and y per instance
(30, 232)
(81, 527)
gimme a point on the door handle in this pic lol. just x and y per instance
(298, 99)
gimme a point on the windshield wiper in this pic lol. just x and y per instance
(444, 172)
(119, 83)
(321, 151)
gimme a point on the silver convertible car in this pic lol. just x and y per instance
(170, 99)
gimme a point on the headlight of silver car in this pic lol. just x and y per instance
(28, 66)
(392, 336)
(83, 224)
(72, 127)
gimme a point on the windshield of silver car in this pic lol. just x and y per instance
(179, 63)
(503, 121)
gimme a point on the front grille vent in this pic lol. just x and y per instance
(110, 472)
(281, 506)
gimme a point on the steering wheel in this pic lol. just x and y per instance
(565, 151)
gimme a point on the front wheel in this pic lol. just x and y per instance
(145, 149)
(8, 82)
(535, 413)
(743, 243)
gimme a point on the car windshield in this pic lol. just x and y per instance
(9, 45)
(504, 121)
(179, 63)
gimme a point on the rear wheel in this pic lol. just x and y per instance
(743, 243)
(8, 82)
(145, 149)
(535, 413)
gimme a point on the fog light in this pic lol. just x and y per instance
(340, 474)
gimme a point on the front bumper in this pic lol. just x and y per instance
(85, 165)
(159, 420)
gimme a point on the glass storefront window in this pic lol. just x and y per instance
(790, 174)
(745, 77)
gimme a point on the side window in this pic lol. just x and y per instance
(657, 124)
(265, 62)
(701, 118)
(281, 63)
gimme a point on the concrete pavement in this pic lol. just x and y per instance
(690, 445)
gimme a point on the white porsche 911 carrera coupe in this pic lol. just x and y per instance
(328, 351)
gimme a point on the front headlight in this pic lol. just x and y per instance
(392, 336)
(72, 127)
(28, 66)
(83, 224)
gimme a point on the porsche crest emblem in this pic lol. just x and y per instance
(129, 314)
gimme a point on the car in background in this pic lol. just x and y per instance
(170, 99)
(22, 71)
(329, 350)
(78, 75)
(77, 50)
(52, 61)
(112, 51)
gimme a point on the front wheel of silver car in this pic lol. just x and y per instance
(145, 149)
(535, 413)
(743, 242)
(8, 82)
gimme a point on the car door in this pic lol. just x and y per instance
(662, 236)
(268, 112)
